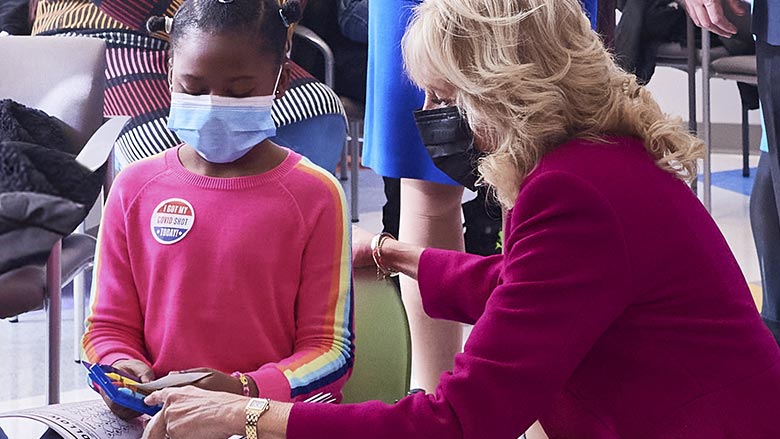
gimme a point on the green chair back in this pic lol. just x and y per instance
(383, 353)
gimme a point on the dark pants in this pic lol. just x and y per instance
(768, 59)
(353, 20)
(765, 222)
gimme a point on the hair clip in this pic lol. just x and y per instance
(168, 25)
(225, 2)
(284, 18)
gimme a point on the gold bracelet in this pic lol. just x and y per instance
(382, 271)
(244, 382)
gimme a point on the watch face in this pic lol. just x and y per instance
(257, 404)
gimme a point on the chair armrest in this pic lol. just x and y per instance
(330, 61)
(78, 254)
(22, 290)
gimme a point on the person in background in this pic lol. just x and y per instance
(766, 234)
(617, 309)
(353, 20)
(14, 17)
(137, 84)
(228, 253)
(765, 210)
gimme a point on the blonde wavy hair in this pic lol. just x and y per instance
(531, 75)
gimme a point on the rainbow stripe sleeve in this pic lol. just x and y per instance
(324, 340)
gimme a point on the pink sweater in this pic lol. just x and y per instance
(617, 311)
(248, 274)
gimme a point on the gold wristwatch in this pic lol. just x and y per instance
(255, 408)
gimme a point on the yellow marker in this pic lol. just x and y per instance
(124, 380)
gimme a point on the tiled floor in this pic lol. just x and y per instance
(22, 346)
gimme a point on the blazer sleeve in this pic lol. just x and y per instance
(566, 278)
(455, 285)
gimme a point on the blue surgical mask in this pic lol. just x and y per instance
(222, 129)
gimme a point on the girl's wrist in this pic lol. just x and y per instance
(243, 381)
(254, 391)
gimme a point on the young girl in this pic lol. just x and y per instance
(227, 252)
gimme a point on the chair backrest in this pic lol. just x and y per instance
(383, 345)
(63, 76)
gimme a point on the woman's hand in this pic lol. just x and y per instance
(220, 382)
(193, 413)
(361, 247)
(396, 255)
(133, 368)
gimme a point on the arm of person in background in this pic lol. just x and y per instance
(440, 273)
(567, 278)
(710, 15)
(134, 13)
(15, 17)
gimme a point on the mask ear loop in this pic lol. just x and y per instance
(170, 75)
(278, 78)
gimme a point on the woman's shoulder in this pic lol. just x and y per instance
(594, 154)
(617, 169)
(605, 163)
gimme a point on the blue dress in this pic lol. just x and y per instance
(392, 145)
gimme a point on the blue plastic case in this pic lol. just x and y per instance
(97, 374)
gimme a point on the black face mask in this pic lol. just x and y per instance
(450, 143)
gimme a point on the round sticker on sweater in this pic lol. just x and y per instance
(172, 220)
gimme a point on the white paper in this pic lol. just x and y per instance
(79, 420)
(99, 146)
(173, 380)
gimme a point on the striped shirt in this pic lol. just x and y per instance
(137, 71)
(248, 274)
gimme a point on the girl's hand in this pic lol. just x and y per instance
(361, 247)
(192, 413)
(220, 382)
(136, 369)
(123, 413)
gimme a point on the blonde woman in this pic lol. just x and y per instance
(617, 309)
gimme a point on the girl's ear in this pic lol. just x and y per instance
(284, 81)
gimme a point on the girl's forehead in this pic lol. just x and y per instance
(229, 47)
(251, 45)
